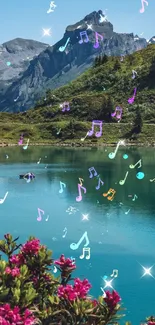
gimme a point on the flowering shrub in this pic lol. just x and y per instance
(31, 295)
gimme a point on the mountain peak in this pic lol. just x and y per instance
(20, 45)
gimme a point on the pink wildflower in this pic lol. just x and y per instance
(112, 299)
(15, 272)
(79, 290)
(31, 247)
(151, 323)
(65, 263)
(8, 270)
(17, 259)
(10, 316)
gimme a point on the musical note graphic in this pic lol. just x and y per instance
(79, 198)
(90, 171)
(21, 140)
(39, 212)
(127, 211)
(65, 106)
(114, 274)
(25, 147)
(113, 154)
(58, 131)
(55, 270)
(111, 191)
(52, 5)
(123, 180)
(65, 232)
(81, 180)
(119, 115)
(82, 139)
(133, 74)
(47, 218)
(135, 197)
(96, 45)
(142, 9)
(38, 162)
(99, 182)
(131, 100)
(61, 187)
(85, 250)
(4, 198)
(84, 33)
(97, 134)
(76, 245)
(138, 162)
(104, 293)
(62, 48)
(152, 180)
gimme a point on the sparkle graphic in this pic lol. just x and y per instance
(71, 210)
(89, 26)
(46, 32)
(147, 271)
(85, 217)
(108, 284)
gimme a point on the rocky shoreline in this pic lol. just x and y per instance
(74, 144)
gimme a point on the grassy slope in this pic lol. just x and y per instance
(89, 101)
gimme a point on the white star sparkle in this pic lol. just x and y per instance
(85, 217)
(108, 284)
(46, 32)
(147, 271)
(89, 26)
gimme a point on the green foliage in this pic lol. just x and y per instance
(88, 101)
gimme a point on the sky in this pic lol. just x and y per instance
(27, 18)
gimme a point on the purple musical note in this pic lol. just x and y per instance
(97, 134)
(118, 109)
(85, 34)
(96, 45)
(90, 171)
(79, 198)
(65, 106)
(99, 182)
(131, 100)
(21, 140)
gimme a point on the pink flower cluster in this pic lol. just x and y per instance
(65, 263)
(14, 272)
(31, 247)
(79, 290)
(150, 323)
(112, 299)
(18, 259)
(10, 316)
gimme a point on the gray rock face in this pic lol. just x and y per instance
(27, 81)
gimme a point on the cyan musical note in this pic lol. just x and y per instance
(25, 147)
(138, 162)
(76, 245)
(61, 187)
(85, 249)
(2, 200)
(62, 48)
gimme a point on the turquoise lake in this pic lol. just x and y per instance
(121, 232)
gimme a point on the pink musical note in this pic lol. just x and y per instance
(99, 182)
(39, 212)
(119, 115)
(90, 171)
(97, 134)
(84, 33)
(142, 9)
(131, 100)
(96, 45)
(79, 198)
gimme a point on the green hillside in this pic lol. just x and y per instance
(89, 101)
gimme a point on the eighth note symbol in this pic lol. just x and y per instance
(61, 188)
(86, 249)
(142, 9)
(97, 134)
(114, 274)
(76, 245)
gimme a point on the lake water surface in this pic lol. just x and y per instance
(121, 232)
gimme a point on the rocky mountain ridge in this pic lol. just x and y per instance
(52, 68)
